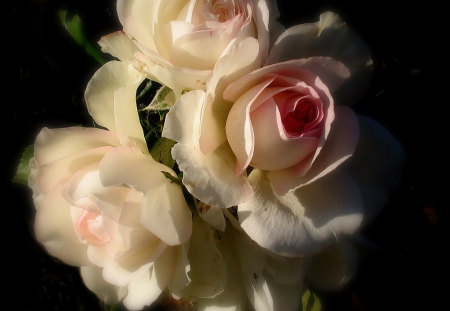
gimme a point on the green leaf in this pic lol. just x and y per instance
(161, 151)
(310, 302)
(73, 25)
(164, 100)
(23, 170)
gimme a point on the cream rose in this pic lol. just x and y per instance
(102, 203)
(178, 43)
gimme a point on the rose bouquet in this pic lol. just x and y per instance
(226, 169)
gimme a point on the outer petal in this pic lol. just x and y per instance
(333, 73)
(164, 210)
(204, 175)
(376, 165)
(271, 282)
(55, 144)
(92, 278)
(176, 78)
(183, 120)
(328, 37)
(166, 214)
(101, 88)
(54, 229)
(239, 60)
(305, 221)
(338, 147)
(119, 45)
(212, 178)
(334, 267)
(208, 268)
(233, 297)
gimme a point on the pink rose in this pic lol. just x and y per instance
(303, 170)
(284, 121)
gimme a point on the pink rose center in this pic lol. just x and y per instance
(89, 227)
(219, 10)
(295, 122)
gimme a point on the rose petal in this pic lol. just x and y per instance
(119, 45)
(176, 78)
(305, 221)
(54, 229)
(333, 73)
(334, 267)
(208, 268)
(205, 176)
(214, 217)
(338, 147)
(108, 293)
(128, 166)
(376, 165)
(273, 149)
(202, 48)
(233, 297)
(142, 290)
(48, 175)
(180, 274)
(241, 58)
(127, 124)
(99, 94)
(166, 214)
(328, 37)
(182, 122)
(239, 129)
(56, 144)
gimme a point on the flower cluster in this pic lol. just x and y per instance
(270, 174)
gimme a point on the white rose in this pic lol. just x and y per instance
(178, 43)
(102, 203)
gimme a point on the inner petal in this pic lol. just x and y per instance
(299, 120)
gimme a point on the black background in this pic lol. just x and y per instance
(45, 76)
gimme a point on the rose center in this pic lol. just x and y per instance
(297, 121)
(218, 10)
(89, 227)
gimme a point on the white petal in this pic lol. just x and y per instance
(208, 268)
(376, 165)
(214, 217)
(119, 45)
(180, 274)
(182, 123)
(55, 144)
(142, 290)
(166, 214)
(242, 58)
(48, 175)
(127, 124)
(212, 178)
(233, 297)
(334, 267)
(54, 229)
(305, 221)
(99, 93)
(129, 166)
(328, 37)
(176, 78)
(108, 293)
(239, 129)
